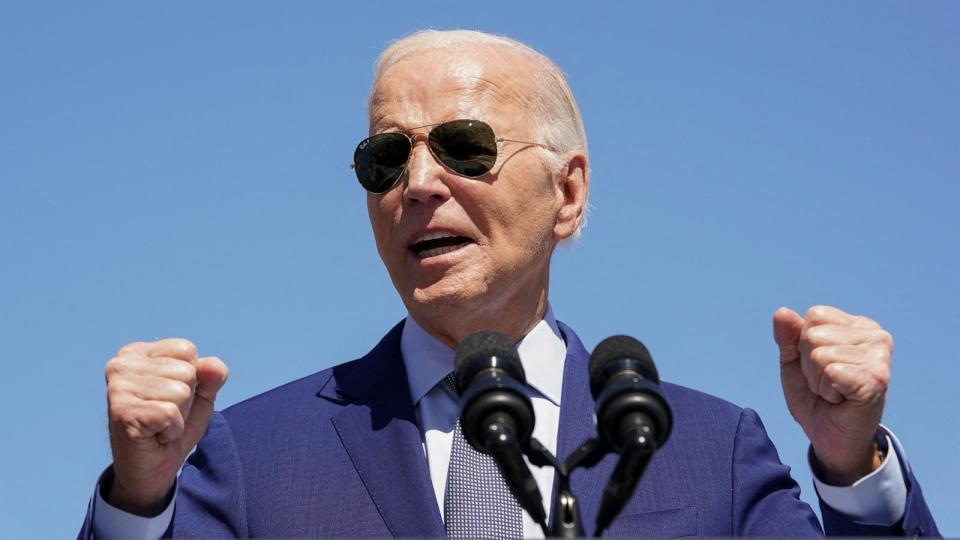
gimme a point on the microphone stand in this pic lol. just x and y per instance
(623, 480)
(566, 517)
(567, 521)
(541, 457)
(508, 455)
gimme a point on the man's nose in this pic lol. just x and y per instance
(425, 176)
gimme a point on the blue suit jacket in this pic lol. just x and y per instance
(339, 453)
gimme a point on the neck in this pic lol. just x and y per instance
(514, 318)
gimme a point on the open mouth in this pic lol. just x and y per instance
(438, 243)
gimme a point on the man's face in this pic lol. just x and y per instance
(503, 222)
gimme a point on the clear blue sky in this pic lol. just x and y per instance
(175, 169)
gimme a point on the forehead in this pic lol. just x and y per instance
(443, 84)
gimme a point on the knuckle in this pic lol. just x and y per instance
(817, 312)
(127, 416)
(879, 356)
(819, 357)
(116, 387)
(132, 347)
(834, 371)
(816, 334)
(168, 411)
(882, 378)
(885, 338)
(187, 347)
(114, 367)
(132, 431)
(184, 372)
(181, 391)
(116, 409)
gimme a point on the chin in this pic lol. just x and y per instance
(436, 298)
(453, 297)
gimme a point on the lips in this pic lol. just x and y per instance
(436, 243)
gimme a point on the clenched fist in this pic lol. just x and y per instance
(159, 398)
(835, 369)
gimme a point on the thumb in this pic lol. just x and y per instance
(211, 375)
(787, 326)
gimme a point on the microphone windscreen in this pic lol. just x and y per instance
(617, 348)
(477, 351)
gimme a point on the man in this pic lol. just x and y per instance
(476, 169)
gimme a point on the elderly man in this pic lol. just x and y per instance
(476, 168)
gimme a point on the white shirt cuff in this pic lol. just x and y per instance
(110, 522)
(878, 498)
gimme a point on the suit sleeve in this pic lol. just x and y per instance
(917, 519)
(210, 496)
(766, 499)
(104, 521)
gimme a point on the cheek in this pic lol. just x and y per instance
(373, 209)
(528, 223)
(536, 205)
(381, 220)
(384, 208)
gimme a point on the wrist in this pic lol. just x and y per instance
(845, 472)
(142, 504)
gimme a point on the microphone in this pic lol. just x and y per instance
(496, 415)
(633, 417)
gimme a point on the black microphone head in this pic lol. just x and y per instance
(486, 349)
(626, 386)
(613, 355)
(490, 381)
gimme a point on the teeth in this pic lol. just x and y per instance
(438, 251)
(434, 236)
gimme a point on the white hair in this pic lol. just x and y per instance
(556, 115)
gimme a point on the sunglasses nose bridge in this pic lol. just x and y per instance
(424, 174)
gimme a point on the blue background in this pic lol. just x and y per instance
(181, 170)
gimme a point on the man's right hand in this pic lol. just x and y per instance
(159, 398)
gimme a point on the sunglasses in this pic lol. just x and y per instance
(465, 147)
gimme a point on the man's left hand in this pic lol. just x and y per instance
(835, 369)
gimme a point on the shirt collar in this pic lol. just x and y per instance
(542, 352)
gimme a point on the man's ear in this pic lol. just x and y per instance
(573, 184)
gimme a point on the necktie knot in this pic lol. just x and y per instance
(449, 383)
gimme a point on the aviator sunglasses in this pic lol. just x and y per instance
(465, 147)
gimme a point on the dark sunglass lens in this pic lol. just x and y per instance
(468, 147)
(379, 160)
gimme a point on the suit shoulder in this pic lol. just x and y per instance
(289, 396)
(705, 409)
(706, 425)
(321, 394)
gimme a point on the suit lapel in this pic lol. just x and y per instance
(577, 425)
(379, 430)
